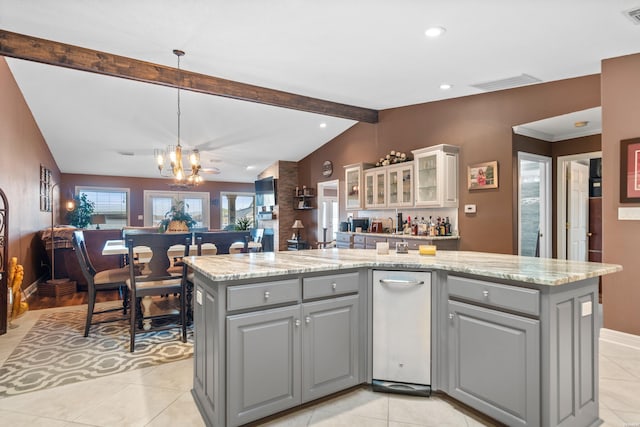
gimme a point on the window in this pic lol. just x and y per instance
(234, 206)
(158, 203)
(113, 203)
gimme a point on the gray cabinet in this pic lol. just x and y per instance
(263, 350)
(330, 346)
(495, 363)
(278, 358)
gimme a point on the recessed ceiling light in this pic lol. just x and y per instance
(581, 124)
(323, 125)
(250, 168)
(435, 31)
(445, 86)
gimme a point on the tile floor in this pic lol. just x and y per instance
(160, 396)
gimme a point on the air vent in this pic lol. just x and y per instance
(126, 153)
(633, 14)
(508, 83)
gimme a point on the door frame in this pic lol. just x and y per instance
(335, 183)
(561, 198)
(548, 227)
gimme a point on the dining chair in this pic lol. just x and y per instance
(156, 280)
(100, 281)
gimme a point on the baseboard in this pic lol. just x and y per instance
(33, 288)
(620, 338)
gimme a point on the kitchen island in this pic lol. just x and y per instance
(514, 337)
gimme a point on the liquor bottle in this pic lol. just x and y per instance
(422, 227)
(414, 227)
(447, 227)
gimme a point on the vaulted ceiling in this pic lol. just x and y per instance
(372, 54)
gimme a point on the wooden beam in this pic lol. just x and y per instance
(78, 58)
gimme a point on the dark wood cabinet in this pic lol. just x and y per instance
(297, 245)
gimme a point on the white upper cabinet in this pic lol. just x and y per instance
(400, 185)
(353, 185)
(436, 176)
(375, 188)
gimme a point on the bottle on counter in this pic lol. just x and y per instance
(447, 227)
(441, 228)
(422, 227)
(414, 227)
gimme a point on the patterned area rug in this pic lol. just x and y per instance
(55, 353)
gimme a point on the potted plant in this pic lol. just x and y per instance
(177, 219)
(243, 223)
(80, 216)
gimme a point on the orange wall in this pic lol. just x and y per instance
(620, 120)
(23, 150)
(481, 125)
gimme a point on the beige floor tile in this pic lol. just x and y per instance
(297, 419)
(609, 418)
(330, 419)
(618, 351)
(135, 405)
(16, 419)
(360, 402)
(175, 375)
(182, 412)
(431, 411)
(62, 402)
(630, 419)
(611, 369)
(619, 395)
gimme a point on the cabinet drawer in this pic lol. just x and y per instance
(326, 286)
(343, 237)
(262, 294)
(522, 300)
(358, 238)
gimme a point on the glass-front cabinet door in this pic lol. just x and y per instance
(400, 185)
(436, 176)
(353, 182)
(375, 187)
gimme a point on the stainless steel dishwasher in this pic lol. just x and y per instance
(402, 332)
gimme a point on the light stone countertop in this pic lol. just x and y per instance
(541, 271)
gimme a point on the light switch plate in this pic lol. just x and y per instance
(469, 208)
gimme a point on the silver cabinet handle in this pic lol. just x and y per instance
(451, 316)
(297, 322)
(267, 295)
(485, 294)
(401, 282)
(334, 285)
(307, 320)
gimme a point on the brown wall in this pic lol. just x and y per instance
(23, 150)
(620, 113)
(481, 125)
(137, 186)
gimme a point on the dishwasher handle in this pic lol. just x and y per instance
(401, 282)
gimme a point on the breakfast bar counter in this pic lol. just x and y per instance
(514, 337)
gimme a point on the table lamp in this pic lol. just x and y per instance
(98, 219)
(297, 225)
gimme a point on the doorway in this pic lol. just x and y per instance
(328, 211)
(534, 205)
(569, 202)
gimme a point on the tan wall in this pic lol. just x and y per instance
(481, 125)
(137, 186)
(23, 150)
(620, 113)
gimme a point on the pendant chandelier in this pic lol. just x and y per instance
(170, 160)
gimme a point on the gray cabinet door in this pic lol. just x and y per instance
(264, 363)
(330, 346)
(495, 363)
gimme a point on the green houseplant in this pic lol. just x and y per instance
(80, 216)
(177, 218)
(243, 223)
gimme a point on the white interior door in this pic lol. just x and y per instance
(577, 210)
(534, 205)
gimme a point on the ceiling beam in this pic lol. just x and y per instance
(78, 58)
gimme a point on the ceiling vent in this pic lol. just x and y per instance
(633, 14)
(508, 83)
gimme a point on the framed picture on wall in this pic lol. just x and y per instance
(630, 170)
(482, 176)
